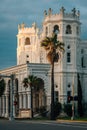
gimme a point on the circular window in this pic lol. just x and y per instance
(68, 46)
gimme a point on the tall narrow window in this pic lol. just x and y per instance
(83, 62)
(68, 29)
(46, 31)
(68, 93)
(56, 96)
(68, 57)
(77, 30)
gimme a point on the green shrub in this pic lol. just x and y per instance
(68, 109)
(57, 109)
(42, 111)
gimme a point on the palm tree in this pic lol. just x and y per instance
(32, 82)
(53, 48)
(2, 86)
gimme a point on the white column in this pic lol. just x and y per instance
(7, 105)
(13, 105)
(20, 101)
(24, 101)
(29, 100)
(3, 99)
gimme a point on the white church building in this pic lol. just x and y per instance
(31, 60)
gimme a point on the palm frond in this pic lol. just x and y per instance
(25, 82)
(46, 41)
(51, 44)
(32, 80)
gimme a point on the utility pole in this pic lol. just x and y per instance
(72, 118)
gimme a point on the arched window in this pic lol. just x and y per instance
(27, 41)
(56, 29)
(68, 29)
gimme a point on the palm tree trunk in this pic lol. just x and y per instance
(52, 92)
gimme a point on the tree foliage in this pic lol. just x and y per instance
(53, 48)
(32, 81)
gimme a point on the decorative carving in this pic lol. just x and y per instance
(22, 25)
(49, 11)
(78, 13)
(62, 10)
(34, 25)
(45, 13)
(74, 11)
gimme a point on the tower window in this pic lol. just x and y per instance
(68, 29)
(56, 29)
(56, 96)
(68, 57)
(82, 62)
(77, 29)
(27, 41)
(46, 31)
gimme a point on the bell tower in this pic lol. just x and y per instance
(67, 27)
(27, 40)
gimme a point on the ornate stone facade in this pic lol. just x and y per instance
(31, 59)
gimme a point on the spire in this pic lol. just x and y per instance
(49, 11)
(45, 13)
(62, 10)
(74, 11)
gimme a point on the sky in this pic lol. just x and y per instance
(14, 12)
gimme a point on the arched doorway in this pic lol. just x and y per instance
(39, 96)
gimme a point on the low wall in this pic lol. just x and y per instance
(25, 113)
